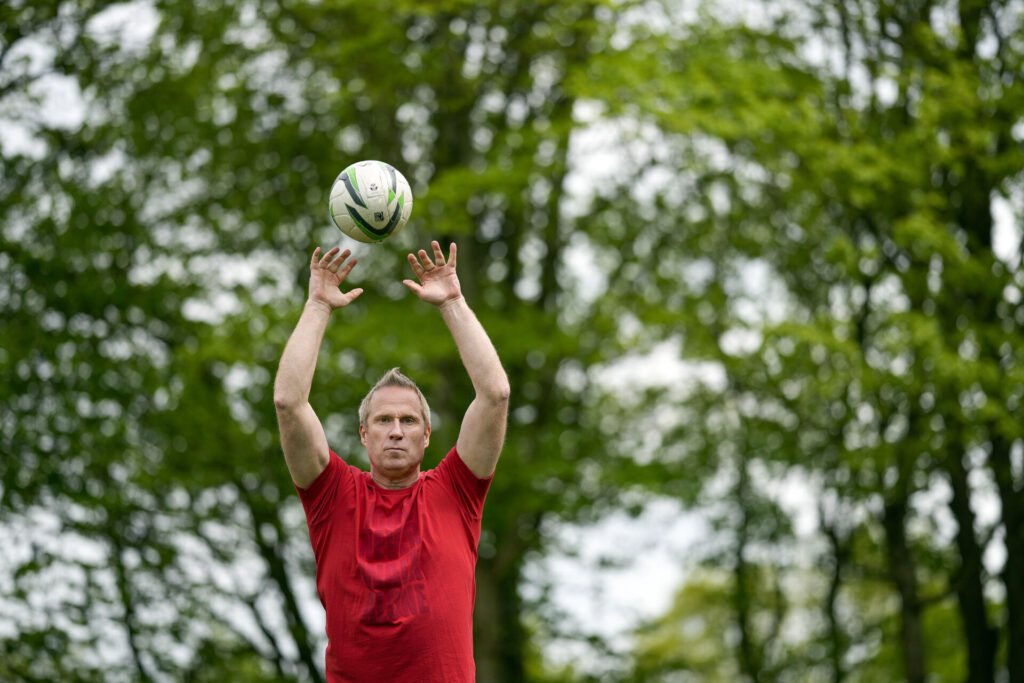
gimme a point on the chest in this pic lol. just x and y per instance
(389, 533)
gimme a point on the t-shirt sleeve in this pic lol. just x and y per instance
(318, 499)
(470, 490)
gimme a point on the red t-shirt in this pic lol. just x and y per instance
(395, 571)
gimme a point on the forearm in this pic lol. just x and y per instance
(298, 362)
(476, 350)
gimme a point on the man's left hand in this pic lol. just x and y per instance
(438, 282)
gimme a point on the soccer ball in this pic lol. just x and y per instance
(370, 201)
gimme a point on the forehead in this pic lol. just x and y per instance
(395, 399)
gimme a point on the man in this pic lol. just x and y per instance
(395, 547)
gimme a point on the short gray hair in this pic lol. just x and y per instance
(394, 378)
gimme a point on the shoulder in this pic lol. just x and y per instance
(451, 465)
(336, 478)
(454, 475)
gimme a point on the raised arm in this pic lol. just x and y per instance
(302, 436)
(483, 427)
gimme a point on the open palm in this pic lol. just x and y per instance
(437, 279)
(326, 275)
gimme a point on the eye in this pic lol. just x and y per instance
(408, 420)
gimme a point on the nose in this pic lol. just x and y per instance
(396, 429)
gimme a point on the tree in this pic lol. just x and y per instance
(884, 365)
(156, 245)
(695, 639)
(154, 238)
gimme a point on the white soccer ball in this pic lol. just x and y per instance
(370, 201)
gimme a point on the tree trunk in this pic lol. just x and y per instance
(498, 636)
(902, 571)
(979, 635)
(749, 652)
(1012, 499)
(124, 590)
(278, 573)
(836, 636)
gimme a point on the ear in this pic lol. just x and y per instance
(362, 433)
(426, 438)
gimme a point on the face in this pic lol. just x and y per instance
(395, 436)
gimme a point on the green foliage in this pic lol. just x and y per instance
(817, 234)
(692, 638)
(154, 251)
(695, 639)
(879, 368)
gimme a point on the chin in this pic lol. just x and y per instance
(395, 464)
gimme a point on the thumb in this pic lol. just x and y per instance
(414, 286)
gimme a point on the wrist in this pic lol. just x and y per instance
(319, 306)
(451, 303)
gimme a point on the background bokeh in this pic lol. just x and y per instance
(757, 263)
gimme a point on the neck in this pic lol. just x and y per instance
(403, 482)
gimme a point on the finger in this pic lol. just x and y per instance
(347, 268)
(335, 263)
(451, 255)
(427, 263)
(438, 254)
(339, 259)
(417, 269)
(328, 256)
(316, 255)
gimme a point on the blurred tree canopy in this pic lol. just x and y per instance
(848, 278)
(801, 198)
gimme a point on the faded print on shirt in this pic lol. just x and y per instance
(388, 556)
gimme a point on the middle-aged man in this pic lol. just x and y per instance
(395, 547)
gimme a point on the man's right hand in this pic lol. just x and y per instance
(325, 276)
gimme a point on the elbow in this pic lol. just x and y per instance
(283, 402)
(501, 392)
(287, 396)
